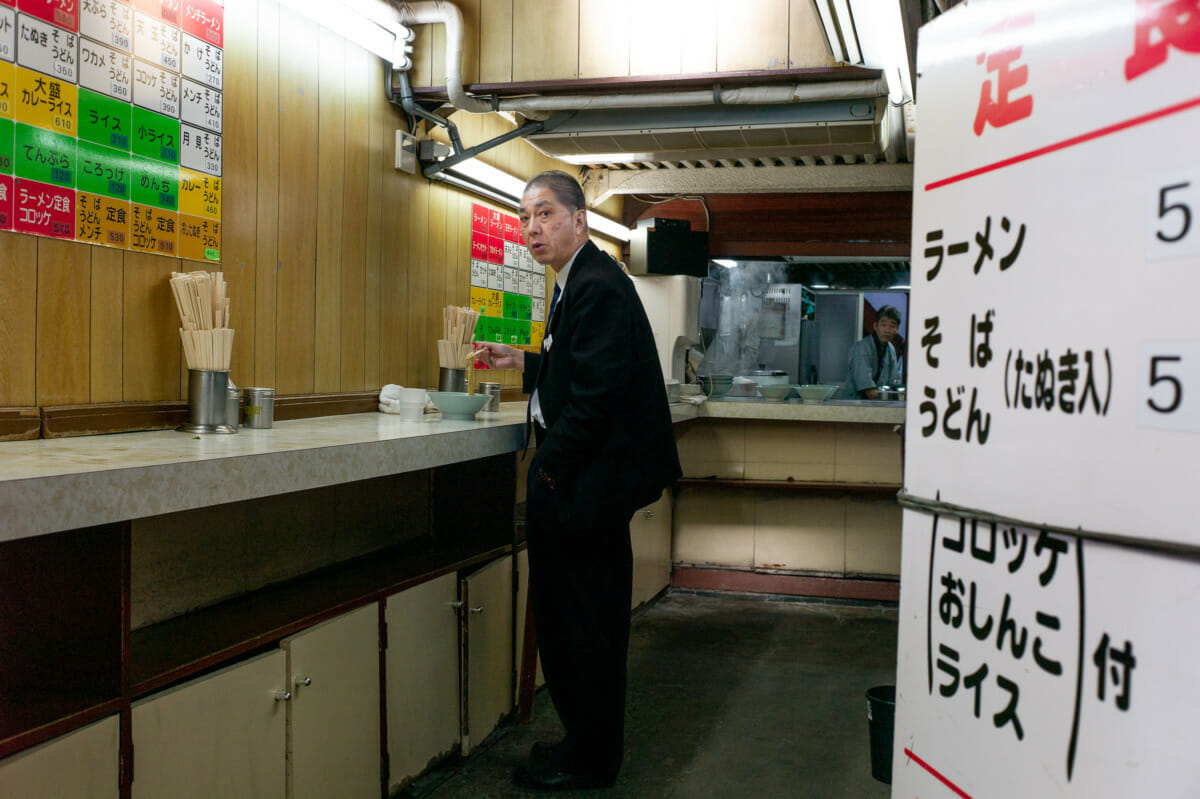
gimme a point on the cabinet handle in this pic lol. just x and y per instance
(303, 681)
(649, 514)
(281, 696)
(477, 610)
(455, 604)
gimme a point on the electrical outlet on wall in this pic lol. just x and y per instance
(406, 152)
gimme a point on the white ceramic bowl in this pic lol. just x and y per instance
(816, 393)
(458, 404)
(775, 393)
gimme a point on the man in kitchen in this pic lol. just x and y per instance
(873, 361)
(605, 447)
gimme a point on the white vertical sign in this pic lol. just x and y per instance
(1046, 260)
(1054, 370)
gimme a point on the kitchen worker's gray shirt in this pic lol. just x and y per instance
(862, 363)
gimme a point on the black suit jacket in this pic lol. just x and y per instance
(609, 446)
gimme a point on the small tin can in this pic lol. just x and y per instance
(260, 408)
(492, 408)
(233, 407)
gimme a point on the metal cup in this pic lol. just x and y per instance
(206, 402)
(260, 408)
(493, 404)
(452, 379)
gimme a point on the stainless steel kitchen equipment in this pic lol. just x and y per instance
(260, 408)
(206, 403)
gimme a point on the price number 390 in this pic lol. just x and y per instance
(1170, 385)
(1175, 223)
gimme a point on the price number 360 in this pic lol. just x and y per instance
(1170, 385)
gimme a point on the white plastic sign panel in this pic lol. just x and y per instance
(1054, 366)
(155, 89)
(50, 50)
(1025, 671)
(202, 61)
(479, 273)
(200, 105)
(109, 22)
(156, 41)
(200, 150)
(105, 70)
(495, 274)
(8, 34)
(512, 279)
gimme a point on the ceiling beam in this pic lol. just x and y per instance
(603, 184)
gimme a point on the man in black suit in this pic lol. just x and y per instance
(605, 447)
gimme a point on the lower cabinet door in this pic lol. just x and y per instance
(80, 763)
(522, 600)
(650, 535)
(421, 676)
(217, 737)
(334, 714)
(488, 624)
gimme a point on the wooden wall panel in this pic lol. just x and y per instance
(18, 319)
(267, 232)
(107, 321)
(63, 324)
(604, 27)
(545, 40)
(354, 218)
(439, 265)
(398, 200)
(422, 55)
(331, 179)
(698, 32)
(656, 38)
(421, 318)
(495, 41)
(752, 34)
(378, 130)
(150, 341)
(239, 219)
(470, 57)
(807, 46)
(295, 287)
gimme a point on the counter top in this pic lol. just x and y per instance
(845, 411)
(49, 485)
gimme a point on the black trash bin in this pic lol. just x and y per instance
(881, 723)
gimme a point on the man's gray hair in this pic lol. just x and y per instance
(565, 188)
(888, 312)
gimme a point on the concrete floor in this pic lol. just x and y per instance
(728, 697)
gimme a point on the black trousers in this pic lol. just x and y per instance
(580, 586)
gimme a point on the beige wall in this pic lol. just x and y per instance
(820, 530)
(526, 40)
(338, 266)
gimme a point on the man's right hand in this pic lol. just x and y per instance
(500, 356)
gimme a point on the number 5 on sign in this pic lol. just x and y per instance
(1174, 213)
(1169, 392)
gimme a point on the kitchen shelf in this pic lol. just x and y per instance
(173, 650)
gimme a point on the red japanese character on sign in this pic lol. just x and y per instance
(1003, 110)
(1174, 23)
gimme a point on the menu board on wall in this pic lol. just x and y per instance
(1050, 565)
(110, 123)
(508, 287)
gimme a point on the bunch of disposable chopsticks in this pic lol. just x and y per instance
(204, 312)
(458, 330)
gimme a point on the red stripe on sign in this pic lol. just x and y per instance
(1071, 142)
(937, 774)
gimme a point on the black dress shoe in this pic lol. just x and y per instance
(548, 750)
(551, 776)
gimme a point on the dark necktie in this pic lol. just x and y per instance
(549, 315)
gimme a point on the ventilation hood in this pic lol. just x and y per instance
(713, 132)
